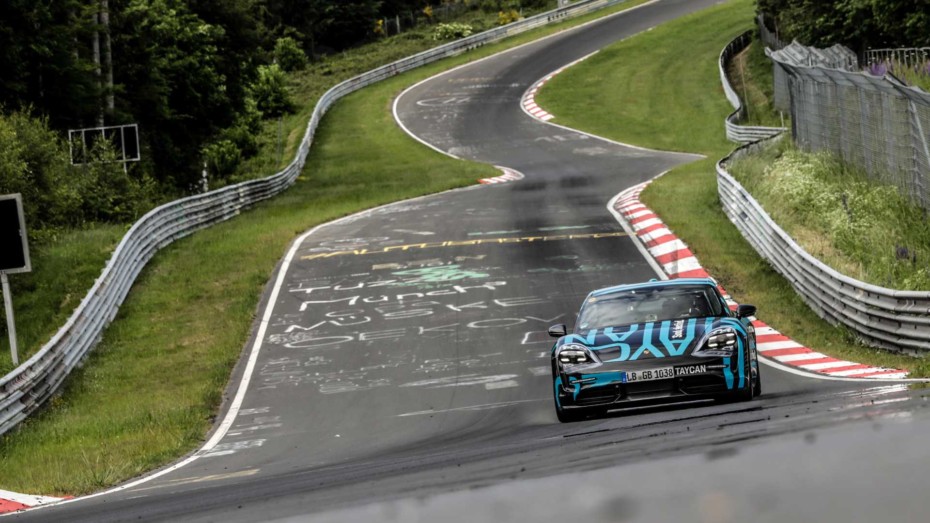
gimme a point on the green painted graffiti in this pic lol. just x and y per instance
(444, 273)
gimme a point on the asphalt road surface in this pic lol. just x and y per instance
(404, 364)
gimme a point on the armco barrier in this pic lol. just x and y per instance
(735, 132)
(885, 318)
(24, 389)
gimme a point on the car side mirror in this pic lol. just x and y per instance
(557, 331)
(744, 311)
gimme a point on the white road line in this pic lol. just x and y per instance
(629, 230)
(653, 235)
(828, 365)
(668, 248)
(640, 225)
(801, 357)
(683, 265)
(775, 345)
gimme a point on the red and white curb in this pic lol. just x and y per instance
(509, 175)
(677, 261)
(528, 101)
(13, 501)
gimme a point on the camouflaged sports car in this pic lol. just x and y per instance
(654, 342)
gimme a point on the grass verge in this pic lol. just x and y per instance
(665, 93)
(753, 78)
(860, 227)
(148, 393)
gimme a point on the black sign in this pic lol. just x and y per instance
(14, 252)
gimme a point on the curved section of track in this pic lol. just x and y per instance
(403, 350)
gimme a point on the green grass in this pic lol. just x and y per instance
(63, 269)
(753, 79)
(651, 89)
(148, 393)
(665, 93)
(860, 227)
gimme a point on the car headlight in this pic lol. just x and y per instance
(574, 354)
(718, 343)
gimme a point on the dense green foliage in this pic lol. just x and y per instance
(34, 162)
(289, 55)
(858, 24)
(197, 76)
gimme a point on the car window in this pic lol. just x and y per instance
(649, 305)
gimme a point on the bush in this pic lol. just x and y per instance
(222, 157)
(35, 162)
(507, 17)
(270, 91)
(244, 132)
(451, 31)
(107, 192)
(289, 55)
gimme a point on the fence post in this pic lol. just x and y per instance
(918, 176)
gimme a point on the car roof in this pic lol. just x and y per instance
(653, 284)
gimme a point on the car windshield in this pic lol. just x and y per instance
(648, 305)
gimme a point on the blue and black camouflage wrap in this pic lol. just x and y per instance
(677, 350)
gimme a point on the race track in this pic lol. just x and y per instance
(405, 352)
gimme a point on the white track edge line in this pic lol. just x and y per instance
(629, 230)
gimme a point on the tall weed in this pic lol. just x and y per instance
(857, 225)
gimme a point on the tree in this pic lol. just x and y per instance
(45, 59)
(171, 82)
(858, 24)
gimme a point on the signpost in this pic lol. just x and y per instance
(14, 256)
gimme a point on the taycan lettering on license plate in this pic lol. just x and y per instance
(662, 373)
(649, 374)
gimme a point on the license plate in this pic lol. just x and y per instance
(635, 376)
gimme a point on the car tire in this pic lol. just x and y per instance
(569, 416)
(573, 415)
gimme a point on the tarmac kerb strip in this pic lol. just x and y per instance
(509, 175)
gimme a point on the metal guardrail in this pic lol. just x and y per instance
(736, 132)
(28, 386)
(885, 318)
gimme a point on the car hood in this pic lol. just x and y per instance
(649, 340)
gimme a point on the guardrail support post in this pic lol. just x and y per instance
(10, 324)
